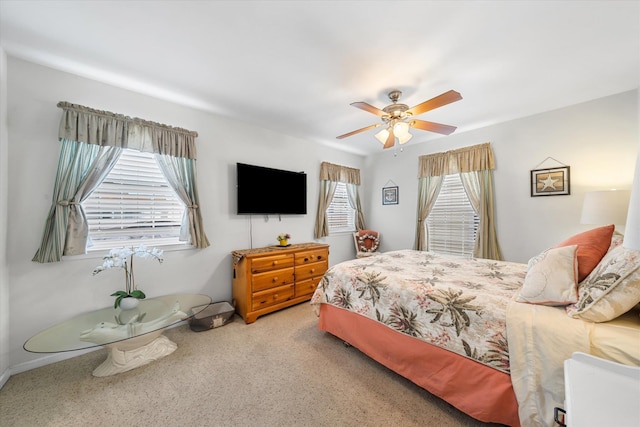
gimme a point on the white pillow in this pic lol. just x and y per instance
(552, 278)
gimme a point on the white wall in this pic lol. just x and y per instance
(597, 139)
(4, 187)
(41, 295)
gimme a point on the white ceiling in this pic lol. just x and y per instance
(294, 67)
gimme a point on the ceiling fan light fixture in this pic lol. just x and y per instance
(404, 138)
(382, 136)
(401, 131)
(401, 128)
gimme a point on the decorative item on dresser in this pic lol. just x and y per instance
(272, 278)
(283, 239)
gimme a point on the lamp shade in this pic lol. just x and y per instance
(605, 207)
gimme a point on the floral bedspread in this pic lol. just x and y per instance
(454, 303)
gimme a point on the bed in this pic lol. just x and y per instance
(454, 326)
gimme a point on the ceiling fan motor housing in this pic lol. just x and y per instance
(395, 111)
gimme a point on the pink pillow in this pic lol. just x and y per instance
(592, 245)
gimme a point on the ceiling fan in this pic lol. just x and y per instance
(398, 118)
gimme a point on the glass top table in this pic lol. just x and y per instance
(134, 336)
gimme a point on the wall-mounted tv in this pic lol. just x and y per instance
(266, 191)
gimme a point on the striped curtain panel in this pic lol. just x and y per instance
(428, 190)
(81, 168)
(181, 175)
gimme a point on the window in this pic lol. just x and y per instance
(133, 205)
(341, 217)
(452, 223)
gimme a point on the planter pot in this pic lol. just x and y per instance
(284, 243)
(129, 303)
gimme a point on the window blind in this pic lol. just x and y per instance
(340, 215)
(133, 205)
(452, 223)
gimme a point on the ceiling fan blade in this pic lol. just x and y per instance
(391, 139)
(359, 130)
(432, 127)
(433, 103)
(370, 108)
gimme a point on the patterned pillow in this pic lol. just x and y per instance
(552, 278)
(611, 289)
(616, 240)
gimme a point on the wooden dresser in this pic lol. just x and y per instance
(272, 278)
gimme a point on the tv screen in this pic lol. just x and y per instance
(265, 191)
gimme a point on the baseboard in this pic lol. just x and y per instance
(4, 378)
(48, 360)
(40, 362)
(52, 358)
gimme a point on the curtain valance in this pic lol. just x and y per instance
(84, 124)
(337, 173)
(467, 159)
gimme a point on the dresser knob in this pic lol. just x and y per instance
(275, 279)
(313, 270)
(274, 263)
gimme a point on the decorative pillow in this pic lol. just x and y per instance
(552, 278)
(616, 240)
(612, 288)
(592, 245)
(368, 240)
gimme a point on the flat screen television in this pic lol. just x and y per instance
(266, 191)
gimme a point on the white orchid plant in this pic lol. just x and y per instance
(123, 258)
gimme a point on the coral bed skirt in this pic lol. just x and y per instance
(478, 390)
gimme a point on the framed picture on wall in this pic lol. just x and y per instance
(550, 182)
(390, 195)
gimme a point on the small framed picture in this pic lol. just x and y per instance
(550, 182)
(390, 195)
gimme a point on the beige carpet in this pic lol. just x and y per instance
(279, 371)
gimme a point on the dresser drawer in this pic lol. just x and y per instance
(272, 279)
(272, 262)
(308, 271)
(272, 296)
(308, 257)
(307, 287)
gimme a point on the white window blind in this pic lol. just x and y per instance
(340, 215)
(452, 223)
(133, 205)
